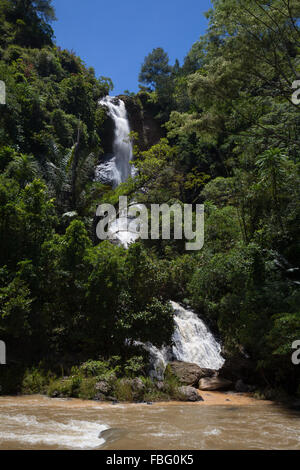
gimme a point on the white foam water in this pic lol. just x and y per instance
(159, 359)
(192, 342)
(117, 169)
(73, 434)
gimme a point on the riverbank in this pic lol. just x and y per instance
(209, 399)
(107, 389)
(231, 399)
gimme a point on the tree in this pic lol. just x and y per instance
(31, 18)
(43, 8)
(23, 168)
(155, 69)
(272, 166)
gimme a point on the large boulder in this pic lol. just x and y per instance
(189, 394)
(188, 373)
(214, 383)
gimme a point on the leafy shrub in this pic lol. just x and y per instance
(134, 366)
(92, 368)
(87, 389)
(123, 390)
(101, 369)
(34, 381)
(66, 387)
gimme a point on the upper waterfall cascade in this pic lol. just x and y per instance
(117, 169)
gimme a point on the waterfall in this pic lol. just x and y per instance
(192, 342)
(116, 169)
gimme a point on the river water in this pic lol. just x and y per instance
(42, 423)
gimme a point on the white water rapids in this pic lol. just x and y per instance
(192, 341)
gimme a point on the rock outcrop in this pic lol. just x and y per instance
(141, 115)
(188, 373)
(241, 387)
(239, 368)
(189, 394)
(214, 384)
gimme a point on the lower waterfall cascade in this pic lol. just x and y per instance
(192, 342)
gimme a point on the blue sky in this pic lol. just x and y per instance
(115, 36)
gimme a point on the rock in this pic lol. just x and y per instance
(112, 434)
(214, 383)
(103, 387)
(237, 368)
(207, 373)
(189, 394)
(99, 397)
(112, 399)
(137, 385)
(141, 114)
(160, 385)
(188, 373)
(241, 387)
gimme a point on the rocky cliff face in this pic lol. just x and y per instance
(107, 135)
(141, 115)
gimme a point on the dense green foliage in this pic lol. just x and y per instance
(232, 142)
(103, 380)
(62, 300)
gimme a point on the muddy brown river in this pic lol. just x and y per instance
(41, 423)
